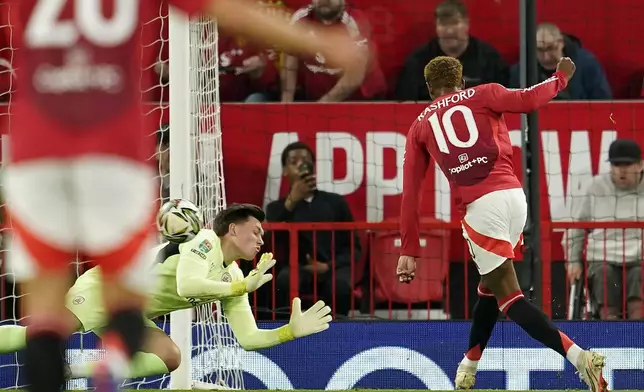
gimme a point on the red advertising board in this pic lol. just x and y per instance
(359, 150)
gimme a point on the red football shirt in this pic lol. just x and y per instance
(79, 74)
(465, 133)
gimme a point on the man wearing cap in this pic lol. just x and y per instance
(614, 255)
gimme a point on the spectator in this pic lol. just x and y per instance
(305, 203)
(589, 81)
(310, 79)
(481, 62)
(247, 73)
(611, 253)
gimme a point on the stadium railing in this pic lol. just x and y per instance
(575, 301)
(444, 288)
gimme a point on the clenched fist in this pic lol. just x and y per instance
(567, 67)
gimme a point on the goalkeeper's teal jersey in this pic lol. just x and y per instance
(204, 251)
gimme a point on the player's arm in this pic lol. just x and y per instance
(245, 18)
(192, 275)
(192, 281)
(348, 83)
(525, 100)
(415, 166)
(250, 337)
(502, 100)
(351, 81)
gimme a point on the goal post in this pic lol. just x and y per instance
(181, 160)
(196, 173)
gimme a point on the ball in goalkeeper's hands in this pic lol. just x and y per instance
(179, 220)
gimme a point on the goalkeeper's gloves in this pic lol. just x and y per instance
(257, 277)
(314, 320)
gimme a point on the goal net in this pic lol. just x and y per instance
(189, 147)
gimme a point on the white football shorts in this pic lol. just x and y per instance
(99, 205)
(493, 226)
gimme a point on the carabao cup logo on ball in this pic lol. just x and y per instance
(179, 220)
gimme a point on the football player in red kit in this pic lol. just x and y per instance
(81, 179)
(465, 132)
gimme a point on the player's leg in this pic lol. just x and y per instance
(41, 215)
(84, 311)
(85, 303)
(493, 257)
(483, 215)
(159, 355)
(484, 317)
(503, 282)
(117, 214)
(13, 338)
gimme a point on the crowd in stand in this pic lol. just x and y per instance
(250, 74)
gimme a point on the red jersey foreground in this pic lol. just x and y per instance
(80, 144)
(466, 134)
(79, 75)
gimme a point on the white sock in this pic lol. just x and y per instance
(469, 363)
(573, 354)
(116, 362)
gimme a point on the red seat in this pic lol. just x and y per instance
(431, 267)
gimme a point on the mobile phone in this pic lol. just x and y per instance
(305, 169)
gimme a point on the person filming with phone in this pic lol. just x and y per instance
(330, 257)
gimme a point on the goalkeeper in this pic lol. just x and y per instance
(196, 272)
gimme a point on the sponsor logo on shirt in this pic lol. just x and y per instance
(79, 74)
(205, 246)
(225, 277)
(198, 253)
(79, 299)
(468, 165)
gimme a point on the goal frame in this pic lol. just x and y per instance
(181, 160)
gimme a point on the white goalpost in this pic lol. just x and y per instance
(181, 158)
(197, 173)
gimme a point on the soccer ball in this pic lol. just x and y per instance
(179, 220)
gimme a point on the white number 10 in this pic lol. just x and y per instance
(448, 129)
(45, 29)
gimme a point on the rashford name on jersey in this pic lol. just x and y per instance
(79, 71)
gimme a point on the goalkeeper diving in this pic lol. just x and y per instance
(200, 270)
